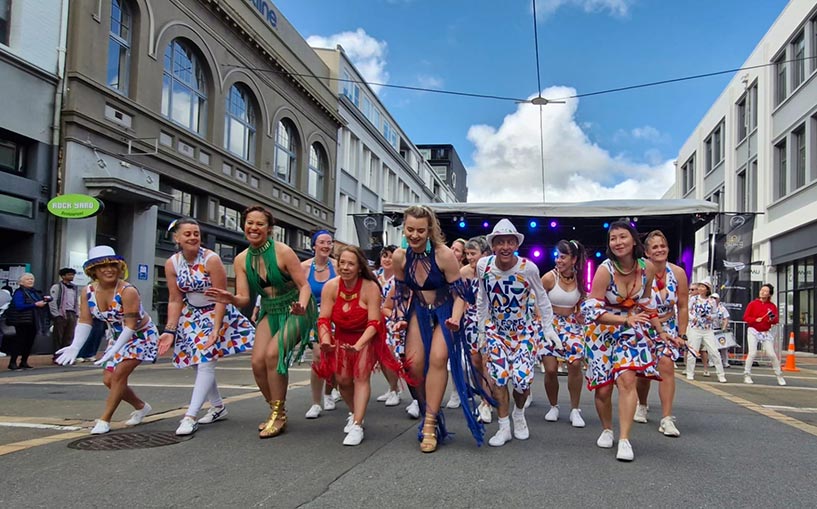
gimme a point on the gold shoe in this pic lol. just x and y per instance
(264, 423)
(279, 413)
(429, 442)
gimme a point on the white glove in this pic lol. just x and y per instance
(69, 354)
(553, 339)
(125, 336)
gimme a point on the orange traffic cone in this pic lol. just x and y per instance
(790, 359)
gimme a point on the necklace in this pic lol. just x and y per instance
(322, 269)
(564, 277)
(625, 272)
(660, 279)
(255, 251)
(346, 294)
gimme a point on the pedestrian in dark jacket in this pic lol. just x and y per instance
(24, 315)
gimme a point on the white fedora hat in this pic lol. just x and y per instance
(504, 227)
(100, 255)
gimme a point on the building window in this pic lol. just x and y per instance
(5, 21)
(742, 124)
(119, 46)
(286, 149)
(716, 226)
(12, 157)
(16, 206)
(229, 218)
(182, 203)
(798, 66)
(317, 170)
(799, 157)
(780, 79)
(752, 106)
(351, 89)
(239, 123)
(713, 145)
(183, 87)
(688, 175)
(780, 170)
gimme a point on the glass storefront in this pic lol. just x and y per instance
(794, 295)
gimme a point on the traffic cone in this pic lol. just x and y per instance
(790, 360)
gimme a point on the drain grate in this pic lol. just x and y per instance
(124, 441)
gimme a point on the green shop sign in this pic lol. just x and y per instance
(75, 206)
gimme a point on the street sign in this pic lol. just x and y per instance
(75, 206)
(142, 272)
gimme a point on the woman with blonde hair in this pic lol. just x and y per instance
(112, 299)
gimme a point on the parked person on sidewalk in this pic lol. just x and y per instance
(566, 289)
(509, 289)
(385, 277)
(111, 298)
(353, 336)
(200, 330)
(427, 287)
(723, 326)
(670, 294)
(703, 319)
(319, 270)
(24, 313)
(617, 343)
(64, 308)
(760, 315)
(272, 270)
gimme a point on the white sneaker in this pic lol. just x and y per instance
(528, 401)
(187, 426)
(640, 413)
(576, 418)
(605, 440)
(781, 380)
(354, 436)
(454, 400)
(137, 416)
(690, 376)
(101, 427)
(314, 412)
(706, 372)
(502, 437)
(393, 399)
(520, 425)
(216, 413)
(350, 421)
(625, 451)
(668, 427)
(553, 414)
(747, 379)
(383, 397)
(335, 395)
(484, 413)
(722, 379)
(413, 409)
(329, 403)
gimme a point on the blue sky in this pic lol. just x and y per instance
(614, 145)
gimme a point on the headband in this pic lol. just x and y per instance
(318, 234)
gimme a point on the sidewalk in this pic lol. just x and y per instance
(36, 361)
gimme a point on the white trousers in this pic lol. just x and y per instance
(694, 338)
(753, 338)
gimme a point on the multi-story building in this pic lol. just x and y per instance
(755, 150)
(446, 163)
(32, 49)
(376, 163)
(193, 108)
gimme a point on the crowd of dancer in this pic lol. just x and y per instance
(475, 314)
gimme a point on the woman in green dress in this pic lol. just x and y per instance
(272, 270)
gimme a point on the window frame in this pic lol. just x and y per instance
(781, 169)
(798, 63)
(123, 47)
(800, 162)
(5, 24)
(197, 71)
(247, 120)
(780, 79)
(318, 166)
(291, 151)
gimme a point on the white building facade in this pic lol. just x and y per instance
(376, 162)
(755, 150)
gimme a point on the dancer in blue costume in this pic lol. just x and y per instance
(428, 286)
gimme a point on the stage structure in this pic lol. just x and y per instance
(544, 224)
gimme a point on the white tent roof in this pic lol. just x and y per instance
(600, 208)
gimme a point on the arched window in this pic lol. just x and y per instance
(239, 123)
(286, 150)
(317, 171)
(119, 44)
(184, 91)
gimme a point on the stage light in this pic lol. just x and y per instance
(598, 254)
(485, 224)
(537, 253)
(533, 224)
(589, 279)
(555, 253)
(516, 253)
(606, 225)
(554, 224)
(462, 224)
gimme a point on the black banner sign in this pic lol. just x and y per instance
(732, 262)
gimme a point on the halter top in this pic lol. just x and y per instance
(561, 298)
(665, 304)
(349, 324)
(315, 285)
(613, 295)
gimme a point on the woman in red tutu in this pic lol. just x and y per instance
(351, 303)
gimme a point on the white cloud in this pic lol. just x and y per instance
(614, 7)
(507, 163)
(366, 53)
(428, 81)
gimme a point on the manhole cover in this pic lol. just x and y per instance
(122, 441)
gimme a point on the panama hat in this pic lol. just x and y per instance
(505, 227)
(101, 255)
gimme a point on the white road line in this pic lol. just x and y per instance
(800, 410)
(131, 384)
(748, 386)
(39, 426)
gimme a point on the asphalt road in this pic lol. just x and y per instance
(741, 446)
